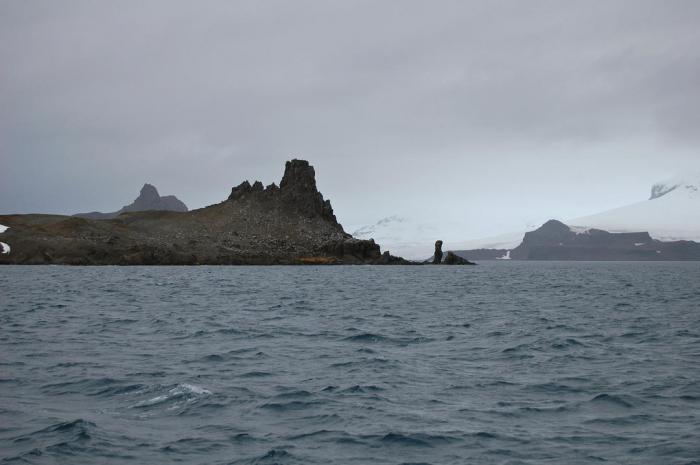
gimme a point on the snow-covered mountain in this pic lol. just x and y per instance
(671, 213)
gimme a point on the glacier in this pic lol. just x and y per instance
(672, 212)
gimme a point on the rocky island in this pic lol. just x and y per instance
(287, 224)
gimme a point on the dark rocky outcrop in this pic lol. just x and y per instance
(453, 259)
(289, 224)
(437, 255)
(148, 199)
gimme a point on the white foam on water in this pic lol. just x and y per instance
(154, 401)
(189, 392)
(192, 388)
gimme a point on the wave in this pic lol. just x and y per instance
(362, 389)
(367, 337)
(64, 438)
(610, 399)
(372, 338)
(89, 386)
(177, 394)
(272, 456)
(416, 439)
(293, 394)
(192, 445)
(291, 405)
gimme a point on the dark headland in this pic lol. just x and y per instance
(287, 224)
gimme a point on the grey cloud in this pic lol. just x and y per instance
(463, 107)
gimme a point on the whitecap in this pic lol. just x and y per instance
(187, 392)
(193, 389)
(154, 401)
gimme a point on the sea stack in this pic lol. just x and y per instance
(437, 256)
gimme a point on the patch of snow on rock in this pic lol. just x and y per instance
(689, 184)
(579, 229)
(5, 247)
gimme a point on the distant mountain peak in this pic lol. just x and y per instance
(691, 184)
(368, 230)
(149, 192)
(148, 199)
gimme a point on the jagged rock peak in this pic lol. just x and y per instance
(299, 175)
(148, 193)
(150, 199)
(297, 189)
(246, 188)
(240, 190)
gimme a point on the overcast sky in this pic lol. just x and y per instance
(494, 113)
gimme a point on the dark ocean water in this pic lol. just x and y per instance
(504, 363)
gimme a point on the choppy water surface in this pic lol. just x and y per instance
(508, 363)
